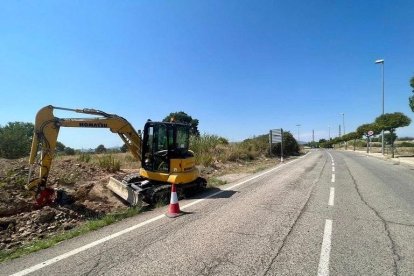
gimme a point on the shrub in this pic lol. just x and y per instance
(84, 157)
(15, 139)
(69, 151)
(405, 144)
(290, 146)
(109, 163)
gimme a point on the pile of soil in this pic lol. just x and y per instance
(22, 222)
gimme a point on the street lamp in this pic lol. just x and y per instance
(381, 61)
(298, 133)
(343, 126)
(329, 132)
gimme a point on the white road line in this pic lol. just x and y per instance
(333, 178)
(331, 196)
(333, 168)
(323, 269)
(139, 225)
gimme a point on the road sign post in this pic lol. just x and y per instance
(369, 135)
(276, 136)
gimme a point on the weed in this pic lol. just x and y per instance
(84, 157)
(214, 182)
(259, 169)
(109, 163)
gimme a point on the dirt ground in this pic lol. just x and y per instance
(21, 222)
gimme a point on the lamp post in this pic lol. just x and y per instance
(329, 132)
(343, 126)
(381, 61)
(298, 133)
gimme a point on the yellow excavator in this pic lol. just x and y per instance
(163, 152)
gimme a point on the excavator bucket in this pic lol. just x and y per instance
(124, 191)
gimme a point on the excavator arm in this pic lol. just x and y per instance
(47, 129)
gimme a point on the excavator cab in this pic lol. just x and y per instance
(163, 142)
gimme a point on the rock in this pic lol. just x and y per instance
(14, 244)
(46, 215)
(26, 233)
(7, 241)
(6, 222)
(68, 226)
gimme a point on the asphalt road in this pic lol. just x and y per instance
(336, 213)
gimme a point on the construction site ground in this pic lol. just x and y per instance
(22, 222)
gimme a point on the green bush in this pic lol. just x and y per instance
(16, 140)
(207, 148)
(405, 144)
(109, 163)
(211, 148)
(290, 146)
(69, 151)
(84, 157)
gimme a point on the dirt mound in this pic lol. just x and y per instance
(83, 183)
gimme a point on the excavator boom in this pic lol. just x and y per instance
(47, 129)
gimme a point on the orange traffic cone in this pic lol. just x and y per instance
(174, 208)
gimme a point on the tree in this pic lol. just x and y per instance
(363, 130)
(390, 122)
(16, 139)
(390, 138)
(323, 143)
(69, 151)
(100, 149)
(411, 99)
(182, 117)
(60, 147)
(353, 136)
(124, 148)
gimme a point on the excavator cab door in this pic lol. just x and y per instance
(163, 142)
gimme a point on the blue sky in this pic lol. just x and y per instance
(240, 67)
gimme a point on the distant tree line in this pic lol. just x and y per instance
(388, 122)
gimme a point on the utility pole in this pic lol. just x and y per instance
(340, 131)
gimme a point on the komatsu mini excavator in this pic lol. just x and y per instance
(163, 152)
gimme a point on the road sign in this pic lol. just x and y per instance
(276, 136)
(370, 133)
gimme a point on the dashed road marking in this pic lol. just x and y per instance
(333, 168)
(333, 178)
(323, 268)
(331, 196)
